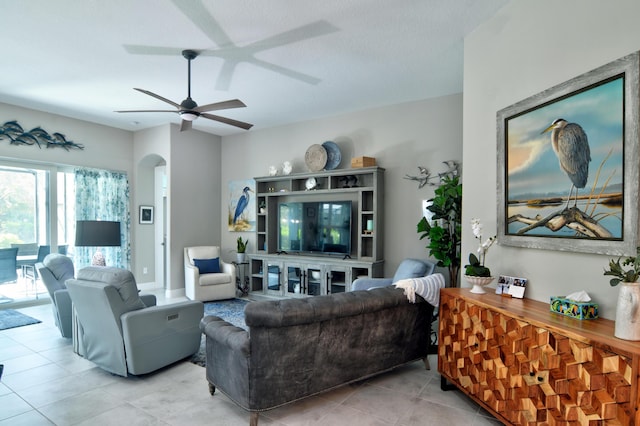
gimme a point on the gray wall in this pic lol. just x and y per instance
(529, 46)
(400, 137)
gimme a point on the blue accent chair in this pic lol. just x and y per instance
(409, 268)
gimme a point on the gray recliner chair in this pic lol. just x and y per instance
(54, 271)
(409, 268)
(120, 333)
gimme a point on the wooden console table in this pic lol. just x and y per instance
(527, 365)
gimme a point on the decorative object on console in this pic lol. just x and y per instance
(242, 206)
(349, 181)
(35, 136)
(533, 200)
(511, 286)
(316, 157)
(287, 168)
(628, 306)
(146, 215)
(334, 156)
(476, 273)
(98, 233)
(426, 178)
(310, 183)
(443, 228)
(359, 162)
(273, 171)
(570, 307)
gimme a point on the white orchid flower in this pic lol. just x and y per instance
(476, 227)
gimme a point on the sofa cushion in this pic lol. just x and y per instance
(410, 268)
(215, 279)
(207, 266)
(122, 279)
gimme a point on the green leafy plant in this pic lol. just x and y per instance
(241, 245)
(617, 269)
(444, 228)
(475, 268)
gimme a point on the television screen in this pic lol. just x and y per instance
(322, 227)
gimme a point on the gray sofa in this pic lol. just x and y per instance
(296, 348)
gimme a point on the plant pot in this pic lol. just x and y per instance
(478, 283)
(241, 257)
(627, 325)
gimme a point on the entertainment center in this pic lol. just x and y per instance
(317, 232)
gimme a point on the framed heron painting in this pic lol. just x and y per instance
(242, 205)
(568, 164)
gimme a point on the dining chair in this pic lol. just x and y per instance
(8, 265)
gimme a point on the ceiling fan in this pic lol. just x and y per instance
(189, 109)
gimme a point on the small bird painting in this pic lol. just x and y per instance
(243, 202)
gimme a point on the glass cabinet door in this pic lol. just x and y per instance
(274, 278)
(338, 280)
(314, 281)
(295, 280)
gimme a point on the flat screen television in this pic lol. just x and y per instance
(320, 227)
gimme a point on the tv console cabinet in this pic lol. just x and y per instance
(281, 274)
(527, 365)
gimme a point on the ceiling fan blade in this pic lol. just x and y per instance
(149, 110)
(234, 103)
(185, 125)
(137, 49)
(146, 92)
(229, 121)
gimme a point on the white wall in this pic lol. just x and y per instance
(104, 147)
(529, 46)
(401, 137)
(193, 194)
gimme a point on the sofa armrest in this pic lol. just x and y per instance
(62, 301)
(221, 332)
(159, 335)
(149, 300)
(367, 283)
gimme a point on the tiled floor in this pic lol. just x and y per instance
(45, 383)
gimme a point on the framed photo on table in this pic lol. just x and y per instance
(146, 214)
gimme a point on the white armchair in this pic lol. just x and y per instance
(206, 275)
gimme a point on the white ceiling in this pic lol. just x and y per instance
(287, 60)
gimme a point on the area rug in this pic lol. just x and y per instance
(232, 311)
(12, 319)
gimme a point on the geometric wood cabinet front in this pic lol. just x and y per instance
(529, 366)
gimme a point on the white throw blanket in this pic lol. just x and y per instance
(428, 287)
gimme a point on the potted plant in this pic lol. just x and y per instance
(475, 272)
(241, 249)
(262, 207)
(444, 229)
(626, 271)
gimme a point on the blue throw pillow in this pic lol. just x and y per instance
(208, 266)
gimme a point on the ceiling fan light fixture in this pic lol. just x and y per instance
(189, 116)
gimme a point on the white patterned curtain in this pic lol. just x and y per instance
(103, 195)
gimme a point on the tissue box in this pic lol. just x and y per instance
(358, 162)
(573, 309)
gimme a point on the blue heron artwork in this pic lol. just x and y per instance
(242, 206)
(564, 166)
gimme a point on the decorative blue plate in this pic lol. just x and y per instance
(334, 156)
